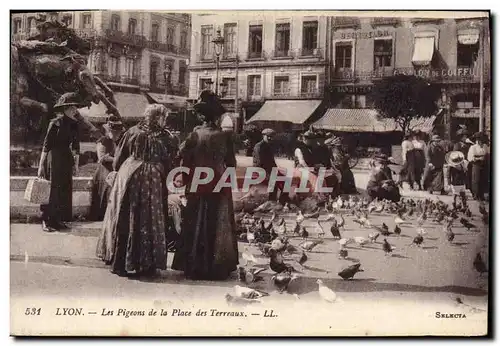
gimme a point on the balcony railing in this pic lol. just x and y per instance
(183, 51)
(163, 47)
(310, 52)
(282, 54)
(125, 38)
(86, 33)
(256, 55)
(288, 94)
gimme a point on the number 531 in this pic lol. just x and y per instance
(32, 311)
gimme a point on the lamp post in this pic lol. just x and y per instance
(218, 42)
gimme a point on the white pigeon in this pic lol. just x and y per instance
(300, 217)
(249, 293)
(248, 257)
(361, 240)
(421, 231)
(325, 293)
(345, 241)
(282, 229)
(398, 221)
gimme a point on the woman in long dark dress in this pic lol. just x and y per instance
(478, 157)
(134, 227)
(58, 160)
(105, 147)
(208, 248)
(435, 159)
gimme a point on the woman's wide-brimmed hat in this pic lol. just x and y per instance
(114, 123)
(480, 136)
(68, 100)
(268, 132)
(209, 105)
(455, 158)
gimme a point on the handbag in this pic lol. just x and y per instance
(37, 191)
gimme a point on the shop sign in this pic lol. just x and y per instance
(352, 89)
(364, 34)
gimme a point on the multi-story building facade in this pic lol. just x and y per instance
(446, 52)
(312, 56)
(266, 57)
(130, 49)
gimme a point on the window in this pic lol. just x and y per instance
(343, 55)
(255, 41)
(382, 53)
(183, 40)
(281, 84)
(170, 35)
(467, 54)
(132, 25)
(467, 101)
(282, 39)
(17, 26)
(230, 86)
(113, 66)
(254, 85)
(115, 22)
(182, 72)
(32, 26)
(68, 20)
(206, 42)
(205, 83)
(308, 85)
(130, 65)
(87, 21)
(230, 40)
(309, 37)
(155, 31)
(153, 72)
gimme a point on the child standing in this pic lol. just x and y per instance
(457, 175)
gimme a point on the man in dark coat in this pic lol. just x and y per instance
(381, 185)
(263, 157)
(435, 159)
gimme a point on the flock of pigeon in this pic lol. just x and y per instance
(272, 238)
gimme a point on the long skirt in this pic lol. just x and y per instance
(408, 172)
(134, 227)
(479, 179)
(347, 182)
(419, 164)
(58, 168)
(208, 248)
(99, 194)
(434, 179)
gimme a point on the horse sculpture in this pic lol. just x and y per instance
(48, 65)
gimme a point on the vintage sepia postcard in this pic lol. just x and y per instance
(250, 173)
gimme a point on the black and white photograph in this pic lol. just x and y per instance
(250, 173)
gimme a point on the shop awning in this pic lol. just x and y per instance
(294, 112)
(365, 120)
(173, 100)
(423, 50)
(130, 105)
(468, 36)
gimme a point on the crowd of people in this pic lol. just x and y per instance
(433, 166)
(141, 224)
